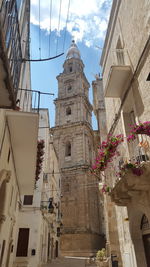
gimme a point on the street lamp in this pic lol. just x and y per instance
(50, 205)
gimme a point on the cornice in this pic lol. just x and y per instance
(76, 167)
(72, 125)
(75, 96)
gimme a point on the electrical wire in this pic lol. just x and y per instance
(50, 17)
(40, 29)
(41, 59)
(67, 19)
(58, 26)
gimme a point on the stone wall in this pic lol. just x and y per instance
(128, 33)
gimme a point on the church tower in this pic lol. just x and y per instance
(74, 144)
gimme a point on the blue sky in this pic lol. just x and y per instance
(87, 24)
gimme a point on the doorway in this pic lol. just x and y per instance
(146, 242)
(145, 228)
(56, 251)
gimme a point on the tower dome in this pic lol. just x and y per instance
(73, 51)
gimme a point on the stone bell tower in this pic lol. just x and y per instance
(74, 144)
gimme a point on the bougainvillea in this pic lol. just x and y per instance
(106, 152)
(136, 169)
(105, 188)
(40, 158)
(142, 128)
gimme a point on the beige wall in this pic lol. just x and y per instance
(40, 222)
(129, 21)
(9, 192)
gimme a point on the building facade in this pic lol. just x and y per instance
(75, 147)
(39, 218)
(125, 63)
(17, 147)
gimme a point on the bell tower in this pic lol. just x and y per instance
(74, 144)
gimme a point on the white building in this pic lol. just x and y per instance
(17, 146)
(39, 220)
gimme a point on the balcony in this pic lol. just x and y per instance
(10, 54)
(119, 74)
(23, 128)
(48, 207)
(130, 185)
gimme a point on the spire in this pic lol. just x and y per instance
(73, 51)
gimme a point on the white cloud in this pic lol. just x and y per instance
(87, 19)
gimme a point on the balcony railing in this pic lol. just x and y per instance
(10, 43)
(29, 100)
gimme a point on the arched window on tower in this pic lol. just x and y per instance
(68, 111)
(68, 149)
(69, 88)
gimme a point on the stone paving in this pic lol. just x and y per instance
(69, 262)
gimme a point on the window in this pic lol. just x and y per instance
(70, 69)
(68, 111)
(23, 240)
(148, 77)
(8, 157)
(68, 150)
(2, 252)
(28, 200)
(120, 53)
(69, 88)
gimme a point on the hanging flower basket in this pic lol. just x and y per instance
(135, 168)
(106, 152)
(142, 128)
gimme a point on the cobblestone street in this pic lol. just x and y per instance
(69, 262)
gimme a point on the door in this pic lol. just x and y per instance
(146, 241)
(2, 252)
(56, 254)
(23, 240)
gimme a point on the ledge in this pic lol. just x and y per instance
(23, 128)
(117, 80)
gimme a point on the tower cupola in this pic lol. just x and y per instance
(73, 62)
(73, 51)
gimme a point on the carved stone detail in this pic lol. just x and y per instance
(2, 218)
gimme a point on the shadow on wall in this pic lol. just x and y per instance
(137, 99)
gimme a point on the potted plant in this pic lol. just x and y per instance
(101, 259)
